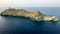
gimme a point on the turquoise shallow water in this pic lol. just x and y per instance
(17, 25)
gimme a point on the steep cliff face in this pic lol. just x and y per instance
(9, 12)
(35, 15)
(15, 12)
(21, 12)
(50, 18)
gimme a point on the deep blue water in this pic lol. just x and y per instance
(17, 25)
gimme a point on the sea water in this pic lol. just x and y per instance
(17, 25)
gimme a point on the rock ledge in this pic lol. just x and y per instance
(35, 15)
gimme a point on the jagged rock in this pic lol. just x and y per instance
(36, 15)
(50, 18)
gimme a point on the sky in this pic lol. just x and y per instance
(29, 3)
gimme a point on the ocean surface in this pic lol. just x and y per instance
(17, 25)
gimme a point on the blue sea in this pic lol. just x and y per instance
(18, 25)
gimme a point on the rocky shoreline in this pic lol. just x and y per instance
(33, 15)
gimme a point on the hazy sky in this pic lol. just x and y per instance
(30, 3)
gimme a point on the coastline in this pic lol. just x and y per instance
(35, 15)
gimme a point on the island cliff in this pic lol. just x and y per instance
(33, 15)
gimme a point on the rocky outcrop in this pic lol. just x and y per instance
(35, 15)
(50, 18)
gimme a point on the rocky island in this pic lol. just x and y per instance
(33, 15)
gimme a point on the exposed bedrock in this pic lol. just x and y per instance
(33, 15)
